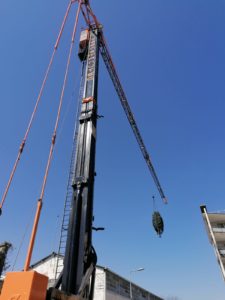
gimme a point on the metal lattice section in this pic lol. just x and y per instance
(69, 191)
(123, 99)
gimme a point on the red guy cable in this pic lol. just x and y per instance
(35, 108)
(40, 200)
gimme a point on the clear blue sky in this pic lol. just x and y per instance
(170, 57)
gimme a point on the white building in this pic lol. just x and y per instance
(108, 285)
(215, 226)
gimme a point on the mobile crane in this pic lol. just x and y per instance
(76, 281)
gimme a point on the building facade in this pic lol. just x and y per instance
(108, 284)
(215, 227)
(111, 286)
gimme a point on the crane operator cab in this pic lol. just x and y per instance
(83, 44)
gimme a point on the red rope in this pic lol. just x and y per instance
(60, 104)
(35, 108)
(40, 200)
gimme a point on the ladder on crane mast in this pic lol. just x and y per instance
(69, 190)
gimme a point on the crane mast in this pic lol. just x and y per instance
(80, 257)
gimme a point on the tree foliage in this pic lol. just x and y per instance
(4, 248)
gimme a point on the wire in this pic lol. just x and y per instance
(153, 203)
(70, 103)
(22, 145)
(22, 241)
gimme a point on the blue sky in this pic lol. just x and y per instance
(170, 58)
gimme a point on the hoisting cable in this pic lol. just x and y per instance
(22, 145)
(40, 200)
(153, 203)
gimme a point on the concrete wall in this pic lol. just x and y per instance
(99, 292)
(108, 285)
(118, 288)
(48, 268)
(113, 296)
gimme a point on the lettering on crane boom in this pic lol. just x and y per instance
(91, 58)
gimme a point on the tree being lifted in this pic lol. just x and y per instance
(4, 248)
